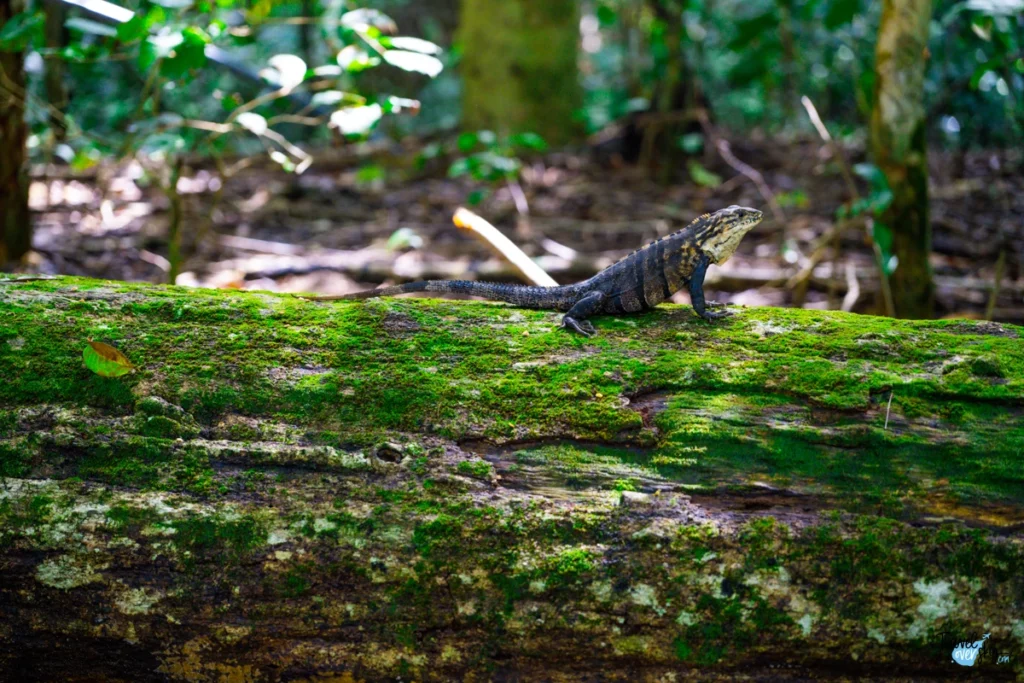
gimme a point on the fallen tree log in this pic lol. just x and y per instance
(428, 490)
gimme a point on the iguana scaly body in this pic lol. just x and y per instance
(636, 283)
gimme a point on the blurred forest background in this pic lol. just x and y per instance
(323, 145)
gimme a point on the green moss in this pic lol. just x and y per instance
(129, 518)
(480, 469)
(730, 625)
(8, 421)
(226, 540)
(162, 427)
(295, 582)
(569, 566)
(16, 458)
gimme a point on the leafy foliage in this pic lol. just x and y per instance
(491, 160)
(174, 88)
(752, 60)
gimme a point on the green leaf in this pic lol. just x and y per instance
(979, 72)
(606, 15)
(356, 120)
(133, 29)
(327, 98)
(414, 61)
(72, 53)
(982, 27)
(466, 142)
(874, 175)
(413, 44)
(398, 105)
(528, 140)
(105, 360)
(476, 196)
(500, 162)
(749, 30)
(691, 143)
(369, 173)
(354, 59)
(163, 143)
(288, 71)
(882, 236)
(997, 7)
(701, 175)
(796, 198)
(459, 167)
(880, 195)
(252, 122)
(840, 13)
(187, 56)
(86, 158)
(880, 201)
(281, 158)
(156, 17)
(158, 47)
(404, 238)
(90, 26)
(753, 66)
(430, 151)
(364, 19)
(216, 28)
(20, 31)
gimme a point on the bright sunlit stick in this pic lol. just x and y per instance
(464, 218)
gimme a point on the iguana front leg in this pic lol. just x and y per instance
(697, 291)
(576, 317)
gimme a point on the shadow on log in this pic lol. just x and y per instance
(428, 490)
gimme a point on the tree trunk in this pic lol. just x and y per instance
(56, 87)
(519, 67)
(15, 225)
(898, 143)
(287, 490)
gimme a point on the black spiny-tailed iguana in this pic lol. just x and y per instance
(636, 283)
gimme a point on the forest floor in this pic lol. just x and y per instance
(358, 218)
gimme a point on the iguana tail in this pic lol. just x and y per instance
(523, 296)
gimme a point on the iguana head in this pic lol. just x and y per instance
(724, 229)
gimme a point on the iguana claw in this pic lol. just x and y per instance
(584, 327)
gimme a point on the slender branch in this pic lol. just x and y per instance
(997, 279)
(852, 288)
(837, 152)
(464, 218)
(722, 145)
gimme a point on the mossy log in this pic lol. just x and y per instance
(434, 490)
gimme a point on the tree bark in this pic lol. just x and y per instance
(56, 87)
(519, 67)
(15, 225)
(898, 145)
(288, 490)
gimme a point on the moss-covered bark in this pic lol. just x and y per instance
(898, 147)
(287, 490)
